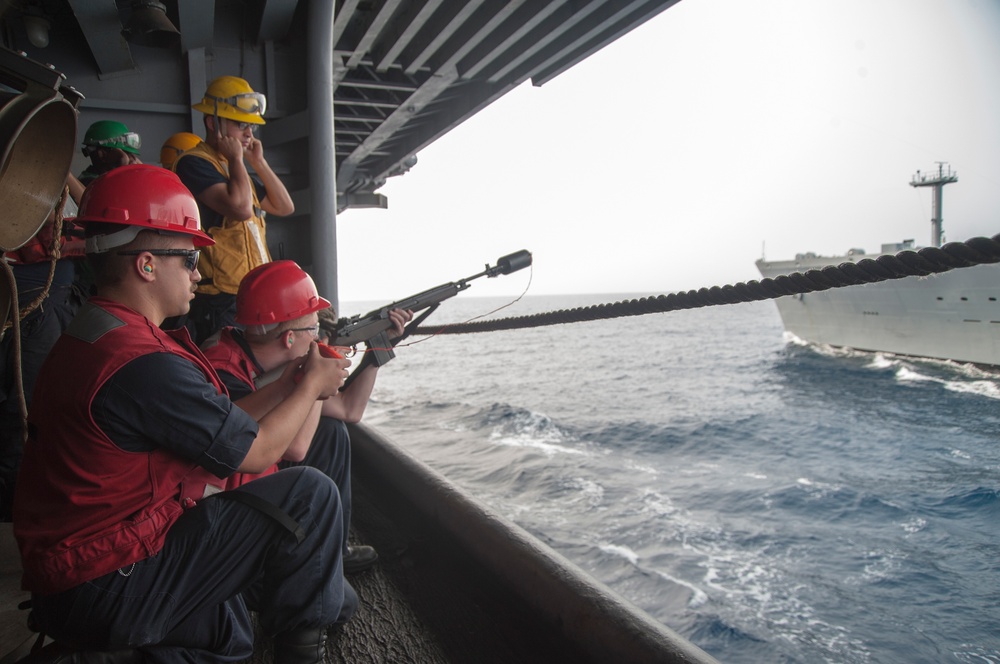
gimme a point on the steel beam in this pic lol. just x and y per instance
(102, 27)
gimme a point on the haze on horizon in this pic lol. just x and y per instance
(718, 131)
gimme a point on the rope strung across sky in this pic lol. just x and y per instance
(920, 263)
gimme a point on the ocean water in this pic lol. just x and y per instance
(770, 500)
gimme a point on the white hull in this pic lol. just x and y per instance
(954, 315)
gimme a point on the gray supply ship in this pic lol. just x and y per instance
(952, 315)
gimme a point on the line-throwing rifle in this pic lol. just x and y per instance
(373, 327)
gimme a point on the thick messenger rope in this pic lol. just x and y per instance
(920, 263)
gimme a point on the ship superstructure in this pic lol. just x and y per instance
(953, 315)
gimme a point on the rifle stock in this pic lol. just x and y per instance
(373, 327)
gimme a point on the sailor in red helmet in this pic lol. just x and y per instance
(127, 545)
(278, 306)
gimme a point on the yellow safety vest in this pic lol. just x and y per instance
(240, 244)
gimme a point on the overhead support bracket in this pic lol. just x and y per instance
(388, 128)
(362, 199)
(276, 19)
(102, 27)
(196, 20)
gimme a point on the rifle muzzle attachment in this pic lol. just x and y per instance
(511, 263)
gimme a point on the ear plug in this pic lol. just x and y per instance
(147, 268)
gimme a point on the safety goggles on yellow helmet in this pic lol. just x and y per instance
(248, 102)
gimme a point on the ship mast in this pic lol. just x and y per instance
(938, 181)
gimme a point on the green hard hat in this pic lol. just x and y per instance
(112, 134)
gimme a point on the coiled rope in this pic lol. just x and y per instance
(920, 263)
(17, 315)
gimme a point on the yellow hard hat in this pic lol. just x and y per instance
(232, 98)
(176, 144)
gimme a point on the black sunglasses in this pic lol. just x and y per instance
(190, 255)
(243, 126)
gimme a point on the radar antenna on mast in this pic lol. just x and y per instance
(938, 180)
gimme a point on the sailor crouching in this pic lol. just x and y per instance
(124, 545)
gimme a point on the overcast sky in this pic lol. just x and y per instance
(720, 129)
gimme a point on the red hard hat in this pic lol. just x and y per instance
(141, 197)
(275, 292)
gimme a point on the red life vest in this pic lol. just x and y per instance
(39, 248)
(84, 507)
(226, 354)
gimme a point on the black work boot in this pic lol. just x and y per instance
(359, 558)
(300, 646)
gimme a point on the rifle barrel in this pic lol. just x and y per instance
(360, 328)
